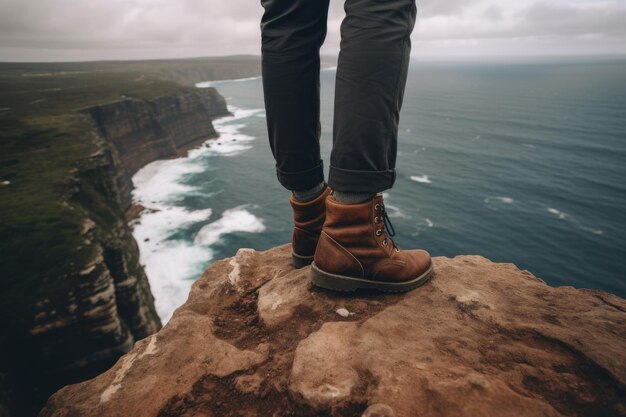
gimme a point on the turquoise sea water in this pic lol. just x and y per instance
(519, 162)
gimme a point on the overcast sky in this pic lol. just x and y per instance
(45, 30)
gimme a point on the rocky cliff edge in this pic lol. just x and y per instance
(480, 339)
(73, 295)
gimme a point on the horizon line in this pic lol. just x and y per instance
(427, 58)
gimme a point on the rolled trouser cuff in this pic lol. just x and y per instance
(301, 180)
(353, 181)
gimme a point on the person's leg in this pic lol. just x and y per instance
(370, 82)
(292, 32)
(355, 249)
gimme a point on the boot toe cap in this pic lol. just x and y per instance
(420, 260)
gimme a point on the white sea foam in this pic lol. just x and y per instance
(238, 113)
(426, 223)
(170, 259)
(395, 212)
(421, 178)
(564, 216)
(592, 230)
(502, 200)
(557, 213)
(230, 142)
(171, 270)
(205, 84)
(236, 219)
(167, 260)
(159, 181)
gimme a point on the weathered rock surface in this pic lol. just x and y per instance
(480, 339)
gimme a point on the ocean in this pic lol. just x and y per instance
(520, 162)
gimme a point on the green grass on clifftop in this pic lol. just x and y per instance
(44, 137)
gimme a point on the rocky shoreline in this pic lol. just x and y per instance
(142, 131)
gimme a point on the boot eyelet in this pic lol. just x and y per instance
(385, 242)
(379, 232)
(376, 220)
(397, 249)
(377, 206)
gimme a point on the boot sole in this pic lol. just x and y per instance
(299, 261)
(345, 283)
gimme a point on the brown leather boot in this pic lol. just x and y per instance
(355, 252)
(308, 218)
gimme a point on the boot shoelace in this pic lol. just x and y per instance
(386, 227)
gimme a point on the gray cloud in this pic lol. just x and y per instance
(493, 12)
(96, 29)
(545, 18)
(540, 20)
(433, 8)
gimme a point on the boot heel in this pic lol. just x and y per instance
(331, 281)
(300, 261)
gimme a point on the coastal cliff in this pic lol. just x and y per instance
(142, 131)
(479, 339)
(75, 297)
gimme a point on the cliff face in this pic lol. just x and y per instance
(75, 297)
(480, 339)
(72, 317)
(144, 131)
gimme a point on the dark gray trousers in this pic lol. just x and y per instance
(370, 81)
